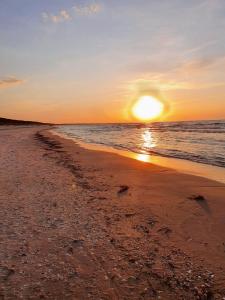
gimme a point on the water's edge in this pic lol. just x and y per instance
(183, 166)
(202, 142)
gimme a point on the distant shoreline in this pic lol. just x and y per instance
(5, 122)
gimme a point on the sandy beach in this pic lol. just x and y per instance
(83, 224)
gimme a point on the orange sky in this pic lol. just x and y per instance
(89, 62)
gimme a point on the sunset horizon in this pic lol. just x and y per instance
(87, 61)
(128, 122)
(112, 149)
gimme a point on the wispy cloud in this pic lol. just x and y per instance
(87, 10)
(198, 73)
(153, 83)
(189, 65)
(70, 14)
(62, 16)
(10, 81)
(154, 86)
(200, 47)
(201, 64)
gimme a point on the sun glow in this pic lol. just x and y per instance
(147, 108)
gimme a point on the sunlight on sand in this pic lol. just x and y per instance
(143, 157)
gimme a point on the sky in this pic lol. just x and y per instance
(70, 61)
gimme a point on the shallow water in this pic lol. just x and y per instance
(199, 141)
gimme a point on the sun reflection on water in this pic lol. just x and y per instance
(148, 141)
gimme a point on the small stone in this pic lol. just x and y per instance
(123, 188)
(131, 279)
(197, 197)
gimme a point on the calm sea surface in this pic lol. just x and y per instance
(198, 141)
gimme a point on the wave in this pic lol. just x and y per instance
(198, 141)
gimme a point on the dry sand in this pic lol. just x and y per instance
(82, 224)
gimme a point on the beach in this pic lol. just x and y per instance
(85, 224)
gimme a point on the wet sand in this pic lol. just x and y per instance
(83, 224)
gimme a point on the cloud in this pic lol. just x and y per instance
(192, 74)
(87, 10)
(45, 16)
(201, 64)
(61, 17)
(201, 47)
(152, 83)
(191, 65)
(165, 84)
(152, 66)
(10, 81)
(67, 15)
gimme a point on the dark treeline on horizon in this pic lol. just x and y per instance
(4, 121)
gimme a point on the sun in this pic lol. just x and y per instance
(147, 108)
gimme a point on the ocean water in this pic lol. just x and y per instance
(197, 141)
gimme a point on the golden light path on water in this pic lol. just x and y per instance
(147, 142)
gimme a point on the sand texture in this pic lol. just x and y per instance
(82, 224)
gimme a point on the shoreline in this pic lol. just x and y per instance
(78, 223)
(189, 167)
(194, 184)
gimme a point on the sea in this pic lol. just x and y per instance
(197, 141)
